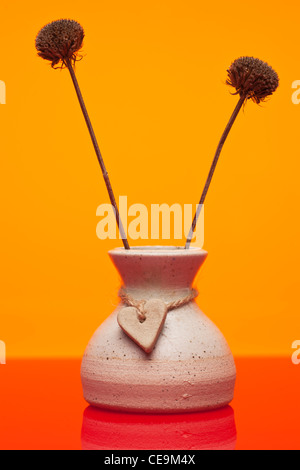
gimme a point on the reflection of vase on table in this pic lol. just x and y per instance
(213, 430)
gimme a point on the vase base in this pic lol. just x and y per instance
(159, 387)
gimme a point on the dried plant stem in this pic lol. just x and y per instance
(98, 153)
(213, 167)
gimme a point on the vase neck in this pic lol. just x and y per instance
(166, 273)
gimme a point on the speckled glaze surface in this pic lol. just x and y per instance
(191, 367)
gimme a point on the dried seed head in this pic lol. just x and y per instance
(252, 78)
(60, 41)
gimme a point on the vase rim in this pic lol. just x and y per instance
(158, 250)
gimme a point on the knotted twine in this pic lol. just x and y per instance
(139, 304)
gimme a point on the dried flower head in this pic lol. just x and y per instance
(252, 78)
(60, 41)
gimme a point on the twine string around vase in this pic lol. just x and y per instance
(139, 304)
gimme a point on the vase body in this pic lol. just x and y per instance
(191, 367)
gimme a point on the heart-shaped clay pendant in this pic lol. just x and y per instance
(144, 333)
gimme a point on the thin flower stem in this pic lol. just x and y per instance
(98, 153)
(213, 167)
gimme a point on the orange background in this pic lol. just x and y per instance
(153, 79)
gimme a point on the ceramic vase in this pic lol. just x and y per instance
(191, 367)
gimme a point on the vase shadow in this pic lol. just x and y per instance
(109, 430)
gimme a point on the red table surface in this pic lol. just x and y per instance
(41, 407)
